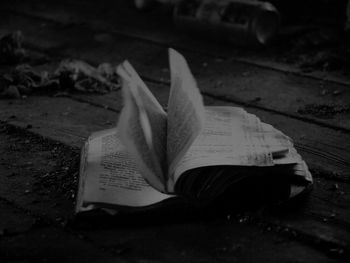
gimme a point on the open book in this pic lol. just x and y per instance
(191, 151)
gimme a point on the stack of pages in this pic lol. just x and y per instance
(190, 151)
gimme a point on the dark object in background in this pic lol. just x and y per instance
(143, 4)
(147, 4)
(241, 22)
(244, 22)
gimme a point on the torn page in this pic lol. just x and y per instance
(112, 177)
(185, 111)
(142, 126)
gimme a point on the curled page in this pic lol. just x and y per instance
(185, 112)
(142, 126)
(230, 137)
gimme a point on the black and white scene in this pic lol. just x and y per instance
(181, 131)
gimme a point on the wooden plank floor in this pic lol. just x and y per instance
(315, 229)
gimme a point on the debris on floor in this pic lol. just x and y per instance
(70, 75)
(23, 80)
(81, 76)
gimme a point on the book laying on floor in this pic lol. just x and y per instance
(191, 151)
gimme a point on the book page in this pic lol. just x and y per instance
(185, 112)
(230, 137)
(111, 175)
(142, 125)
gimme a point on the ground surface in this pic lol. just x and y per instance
(41, 135)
